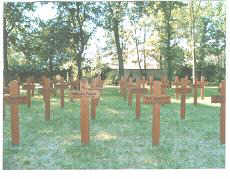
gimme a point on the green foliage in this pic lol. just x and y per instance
(140, 32)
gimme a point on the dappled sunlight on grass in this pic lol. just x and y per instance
(104, 136)
(117, 138)
(113, 111)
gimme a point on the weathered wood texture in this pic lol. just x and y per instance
(183, 91)
(195, 86)
(29, 87)
(222, 100)
(139, 92)
(202, 84)
(164, 85)
(14, 99)
(177, 83)
(151, 84)
(46, 91)
(84, 94)
(156, 100)
(62, 86)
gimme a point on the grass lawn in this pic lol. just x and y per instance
(117, 138)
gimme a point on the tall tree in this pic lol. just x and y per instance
(81, 19)
(114, 13)
(14, 21)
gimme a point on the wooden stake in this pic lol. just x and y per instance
(84, 96)
(177, 83)
(14, 100)
(62, 86)
(156, 100)
(222, 100)
(183, 91)
(139, 92)
(84, 108)
(46, 96)
(195, 92)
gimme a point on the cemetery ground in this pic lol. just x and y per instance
(117, 139)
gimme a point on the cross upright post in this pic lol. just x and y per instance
(84, 96)
(14, 99)
(46, 91)
(202, 84)
(151, 78)
(130, 95)
(183, 91)
(177, 83)
(139, 92)
(156, 100)
(222, 100)
(62, 86)
(29, 86)
(195, 86)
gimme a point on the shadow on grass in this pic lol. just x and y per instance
(117, 138)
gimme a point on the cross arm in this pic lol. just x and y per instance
(156, 99)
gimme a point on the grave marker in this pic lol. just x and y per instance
(202, 84)
(46, 91)
(151, 84)
(29, 86)
(183, 91)
(62, 86)
(84, 96)
(176, 83)
(164, 85)
(14, 99)
(222, 100)
(130, 95)
(195, 86)
(156, 100)
(139, 92)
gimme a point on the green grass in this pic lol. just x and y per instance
(117, 138)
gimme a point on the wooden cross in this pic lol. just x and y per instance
(29, 87)
(164, 85)
(84, 96)
(62, 86)
(151, 84)
(195, 86)
(95, 99)
(123, 87)
(130, 95)
(222, 100)
(177, 83)
(202, 83)
(46, 91)
(139, 92)
(183, 91)
(14, 99)
(156, 100)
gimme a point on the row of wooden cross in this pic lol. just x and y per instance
(13, 98)
(158, 97)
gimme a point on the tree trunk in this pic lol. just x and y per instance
(5, 46)
(138, 58)
(192, 26)
(145, 65)
(50, 67)
(119, 51)
(79, 72)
